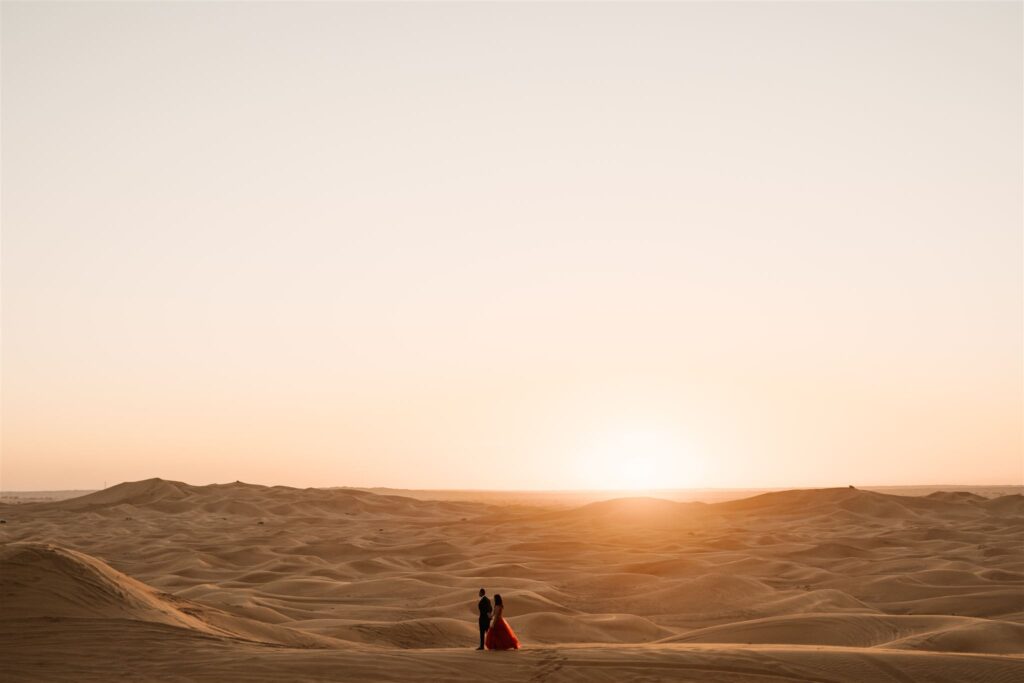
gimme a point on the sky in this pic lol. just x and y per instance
(512, 246)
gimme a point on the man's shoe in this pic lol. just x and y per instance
(479, 648)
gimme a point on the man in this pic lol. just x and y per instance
(485, 615)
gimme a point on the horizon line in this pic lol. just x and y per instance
(637, 491)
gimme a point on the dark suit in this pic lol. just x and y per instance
(485, 617)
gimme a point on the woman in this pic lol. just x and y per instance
(500, 635)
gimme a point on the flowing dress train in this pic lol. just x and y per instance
(500, 635)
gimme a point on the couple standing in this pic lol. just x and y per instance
(495, 634)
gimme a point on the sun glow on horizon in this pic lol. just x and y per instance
(637, 460)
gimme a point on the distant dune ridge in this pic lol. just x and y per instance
(157, 579)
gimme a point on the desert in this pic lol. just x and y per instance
(161, 580)
(590, 342)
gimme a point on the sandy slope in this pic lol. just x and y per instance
(159, 579)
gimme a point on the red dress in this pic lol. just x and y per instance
(500, 635)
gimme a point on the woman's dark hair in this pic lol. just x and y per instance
(497, 599)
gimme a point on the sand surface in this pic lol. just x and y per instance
(160, 580)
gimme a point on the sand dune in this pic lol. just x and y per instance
(238, 581)
(868, 630)
(46, 580)
(43, 580)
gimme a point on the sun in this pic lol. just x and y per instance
(634, 460)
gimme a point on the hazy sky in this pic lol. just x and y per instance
(512, 245)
